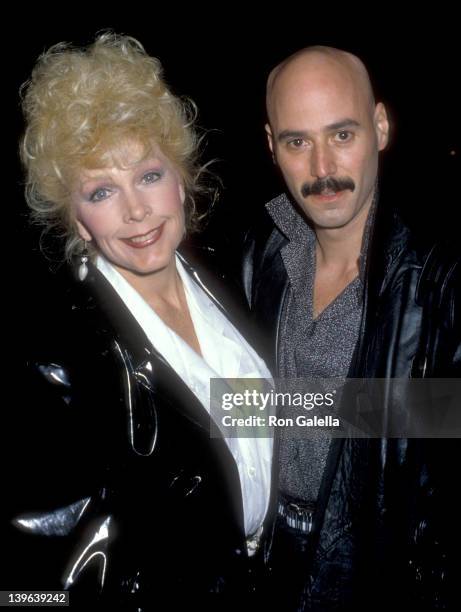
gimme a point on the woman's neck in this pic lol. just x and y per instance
(161, 287)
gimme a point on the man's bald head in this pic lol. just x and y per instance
(325, 132)
(319, 63)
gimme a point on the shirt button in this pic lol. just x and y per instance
(251, 471)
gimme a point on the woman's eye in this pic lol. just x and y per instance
(151, 177)
(99, 194)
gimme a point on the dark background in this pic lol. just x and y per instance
(222, 61)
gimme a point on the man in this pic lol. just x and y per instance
(338, 287)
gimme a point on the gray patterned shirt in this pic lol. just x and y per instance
(310, 348)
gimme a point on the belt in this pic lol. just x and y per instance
(297, 513)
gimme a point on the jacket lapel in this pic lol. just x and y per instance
(271, 274)
(141, 361)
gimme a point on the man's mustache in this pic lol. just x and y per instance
(329, 183)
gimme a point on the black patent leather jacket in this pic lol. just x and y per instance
(113, 488)
(384, 525)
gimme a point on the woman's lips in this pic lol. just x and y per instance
(142, 241)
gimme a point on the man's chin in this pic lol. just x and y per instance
(333, 219)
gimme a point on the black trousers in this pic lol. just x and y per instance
(288, 569)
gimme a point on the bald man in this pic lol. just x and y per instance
(338, 288)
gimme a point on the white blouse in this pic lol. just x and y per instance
(225, 354)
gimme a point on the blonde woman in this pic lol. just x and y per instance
(137, 502)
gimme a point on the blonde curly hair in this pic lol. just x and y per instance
(80, 104)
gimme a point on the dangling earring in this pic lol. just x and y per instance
(83, 268)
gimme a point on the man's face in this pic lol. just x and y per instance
(325, 135)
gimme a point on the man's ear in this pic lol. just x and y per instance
(381, 123)
(270, 140)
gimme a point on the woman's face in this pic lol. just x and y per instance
(133, 212)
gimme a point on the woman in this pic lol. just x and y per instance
(126, 496)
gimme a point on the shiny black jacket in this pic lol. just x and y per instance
(384, 526)
(113, 488)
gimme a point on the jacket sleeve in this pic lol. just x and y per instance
(54, 463)
(434, 560)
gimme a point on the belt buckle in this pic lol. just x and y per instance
(297, 517)
(295, 507)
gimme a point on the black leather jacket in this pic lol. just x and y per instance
(113, 488)
(383, 526)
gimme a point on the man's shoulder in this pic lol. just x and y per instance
(441, 270)
(397, 247)
(438, 259)
(439, 294)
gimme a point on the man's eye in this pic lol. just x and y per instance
(344, 136)
(296, 143)
(151, 177)
(99, 194)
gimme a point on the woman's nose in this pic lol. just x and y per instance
(135, 207)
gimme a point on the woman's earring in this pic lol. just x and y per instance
(83, 268)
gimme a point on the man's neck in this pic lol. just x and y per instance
(339, 248)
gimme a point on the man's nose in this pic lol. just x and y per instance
(135, 206)
(322, 161)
